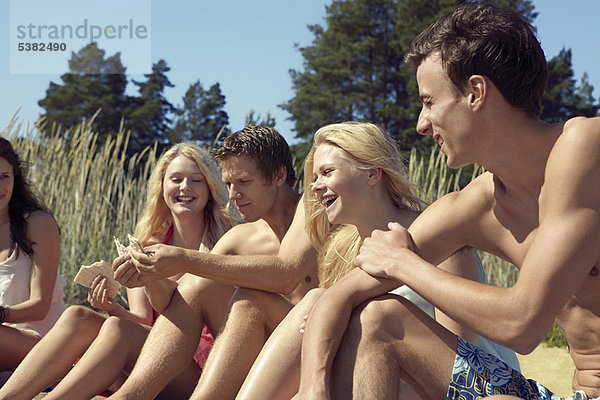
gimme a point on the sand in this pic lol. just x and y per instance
(550, 366)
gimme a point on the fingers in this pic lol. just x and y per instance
(303, 324)
(119, 261)
(141, 257)
(98, 293)
(124, 269)
(128, 275)
(395, 226)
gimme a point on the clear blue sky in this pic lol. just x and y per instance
(248, 47)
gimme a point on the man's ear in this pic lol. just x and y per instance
(281, 176)
(477, 91)
(375, 175)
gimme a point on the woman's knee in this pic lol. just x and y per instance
(116, 328)
(80, 319)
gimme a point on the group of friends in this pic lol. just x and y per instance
(354, 289)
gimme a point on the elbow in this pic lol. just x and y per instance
(288, 283)
(525, 334)
(524, 344)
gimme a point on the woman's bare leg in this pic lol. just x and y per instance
(52, 357)
(276, 372)
(175, 336)
(14, 346)
(115, 349)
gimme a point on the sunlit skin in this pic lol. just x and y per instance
(445, 113)
(185, 189)
(337, 183)
(248, 189)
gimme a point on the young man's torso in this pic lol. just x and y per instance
(508, 227)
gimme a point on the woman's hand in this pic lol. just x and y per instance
(98, 295)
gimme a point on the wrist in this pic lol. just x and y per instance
(4, 314)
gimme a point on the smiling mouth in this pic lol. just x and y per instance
(328, 200)
(184, 199)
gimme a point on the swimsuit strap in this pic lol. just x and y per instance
(168, 235)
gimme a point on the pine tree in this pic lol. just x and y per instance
(150, 120)
(256, 119)
(202, 115)
(563, 99)
(93, 82)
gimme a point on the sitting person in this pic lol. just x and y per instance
(187, 207)
(271, 261)
(481, 74)
(356, 182)
(31, 296)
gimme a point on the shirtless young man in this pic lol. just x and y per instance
(481, 74)
(257, 169)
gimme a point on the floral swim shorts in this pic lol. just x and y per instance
(478, 374)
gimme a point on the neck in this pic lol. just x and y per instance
(4, 217)
(518, 153)
(188, 232)
(281, 215)
(380, 212)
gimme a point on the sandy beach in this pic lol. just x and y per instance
(550, 366)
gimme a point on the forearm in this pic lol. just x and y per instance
(329, 319)
(268, 273)
(323, 333)
(29, 310)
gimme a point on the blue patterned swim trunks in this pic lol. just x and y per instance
(478, 374)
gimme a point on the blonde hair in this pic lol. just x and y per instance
(156, 218)
(367, 146)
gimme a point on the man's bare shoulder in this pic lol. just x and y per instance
(577, 147)
(455, 220)
(251, 238)
(474, 199)
(580, 134)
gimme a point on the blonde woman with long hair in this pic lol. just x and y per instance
(187, 206)
(355, 181)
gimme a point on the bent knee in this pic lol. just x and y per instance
(80, 318)
(382, 315)
(254, 297)
(116, 327)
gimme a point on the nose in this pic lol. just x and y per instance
(423, 124)
(317, 185)
(185, 184)
(234, 192)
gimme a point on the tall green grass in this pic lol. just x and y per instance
(94, 191)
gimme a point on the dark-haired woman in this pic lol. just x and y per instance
(31, 296)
